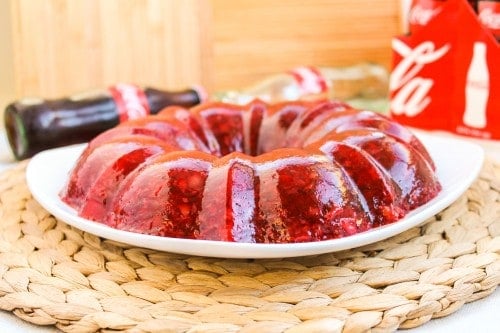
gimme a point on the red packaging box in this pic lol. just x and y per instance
(446, 76)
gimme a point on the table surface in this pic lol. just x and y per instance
(481, 315)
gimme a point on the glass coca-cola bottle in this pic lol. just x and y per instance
(364, 80)
(34, 124)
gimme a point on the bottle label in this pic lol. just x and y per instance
(310, 80)
(489, 15)
(131, 101)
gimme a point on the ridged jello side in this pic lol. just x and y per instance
(105, 164)
(409, 170)
(377, 190)
(303, 197)
(163, 197)
(351, 119)
(230, 215)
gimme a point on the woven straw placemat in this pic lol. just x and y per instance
(54, 274)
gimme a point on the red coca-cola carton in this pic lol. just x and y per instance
(446, 75)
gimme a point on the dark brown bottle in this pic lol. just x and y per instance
(33, 125)
(473, 4)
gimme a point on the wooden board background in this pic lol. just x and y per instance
(69, 45)
(64, 46)
(253, 38)
(7, 89)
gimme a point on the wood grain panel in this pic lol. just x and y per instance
(65, 46)
(254, 38)
(7, 90)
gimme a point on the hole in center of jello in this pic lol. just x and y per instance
(232, 133)
(250, 132)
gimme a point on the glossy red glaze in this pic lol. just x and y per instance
(162, 198)
(97, 160)
(407, 167)
(374, 184)
(103, 189)
(229, 215)
(305, 198)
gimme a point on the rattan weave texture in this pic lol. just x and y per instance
(54, 274)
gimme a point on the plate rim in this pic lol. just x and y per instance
(251, 250)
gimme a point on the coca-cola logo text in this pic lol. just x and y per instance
(489, 18)
(412, 95)
(420, 15)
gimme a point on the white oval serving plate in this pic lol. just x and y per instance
(458, 164)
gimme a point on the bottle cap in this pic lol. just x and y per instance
(202, 93)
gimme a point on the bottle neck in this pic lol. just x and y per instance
(158, 99)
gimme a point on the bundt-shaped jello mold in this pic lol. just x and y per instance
(280, 173)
